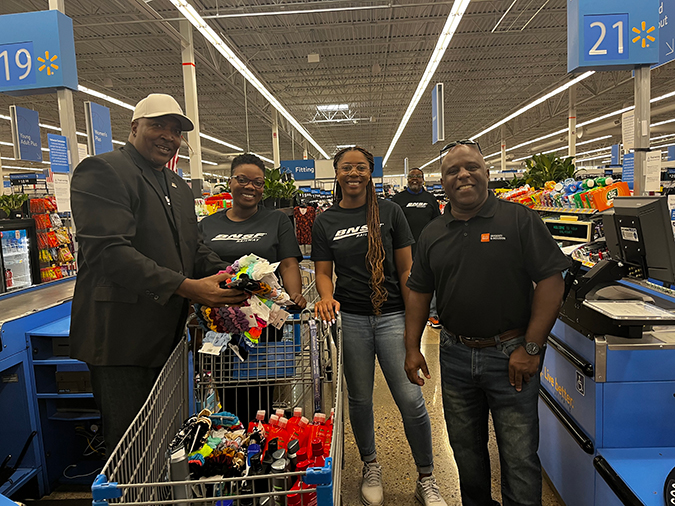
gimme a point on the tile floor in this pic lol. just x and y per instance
(399, 473)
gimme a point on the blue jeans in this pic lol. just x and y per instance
(475, 382)
(367, 336)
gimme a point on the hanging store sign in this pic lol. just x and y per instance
(437, 114)
(99, 129)
(378, 171)
(58, 153)
(612, 34)
(666, 31)
(37, 53)
(26, 133)
(302, 170)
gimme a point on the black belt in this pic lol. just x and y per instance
(486, 342)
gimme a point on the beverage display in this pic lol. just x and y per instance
(16, 259)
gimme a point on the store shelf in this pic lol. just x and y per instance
(65, 396)
(56, 361)
(74, 416)
(564, 210)
(58, 328)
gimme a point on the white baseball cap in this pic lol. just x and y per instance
(159, 104)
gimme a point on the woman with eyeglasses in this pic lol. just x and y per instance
(248, 228)
(367, 240)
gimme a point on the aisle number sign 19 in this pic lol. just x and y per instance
(611, 34)
(37, 53)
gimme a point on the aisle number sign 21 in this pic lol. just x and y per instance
(37, 53)
(611, 34)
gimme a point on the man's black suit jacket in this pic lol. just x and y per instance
(134, 252)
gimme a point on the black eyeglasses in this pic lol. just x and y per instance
(415, 176)
(243, 181)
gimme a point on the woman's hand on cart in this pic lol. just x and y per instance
(298, 300)
(326, 309)
(207, 291)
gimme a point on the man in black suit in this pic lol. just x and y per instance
(140, 259)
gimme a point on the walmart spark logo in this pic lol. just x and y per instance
(644, 34)
(47, 63)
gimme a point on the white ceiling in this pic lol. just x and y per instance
(372, 56)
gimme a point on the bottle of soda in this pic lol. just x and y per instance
(299, 431)
(317, 453)
(317, 430)
(258, 422)
(295, 419)
(329, 433)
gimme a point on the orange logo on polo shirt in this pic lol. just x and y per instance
(492, 237)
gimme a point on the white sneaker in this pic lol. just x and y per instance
(372, 493)
(427, 492)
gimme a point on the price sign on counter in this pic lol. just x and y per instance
(612, 34)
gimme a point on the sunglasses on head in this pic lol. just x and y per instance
(463, 142)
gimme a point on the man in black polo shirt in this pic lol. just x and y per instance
(419, 207)
(483, 258)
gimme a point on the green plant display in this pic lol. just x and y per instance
(9, 203)
(548, 167)
(278, 185)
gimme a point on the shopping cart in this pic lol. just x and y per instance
(305, 371)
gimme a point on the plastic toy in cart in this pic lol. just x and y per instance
(240, 328)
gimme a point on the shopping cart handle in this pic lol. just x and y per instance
(102, 490)
(320, 475)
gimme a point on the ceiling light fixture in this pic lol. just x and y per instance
(455, 16)
(333, 107)
(209, 34)
(503, 16)
(536, 102)
(589, 122)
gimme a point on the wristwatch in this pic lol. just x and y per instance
(532, 348)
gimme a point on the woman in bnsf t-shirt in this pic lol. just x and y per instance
(247, 228)
(368, 241)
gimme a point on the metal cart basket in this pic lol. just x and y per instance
(304, 371)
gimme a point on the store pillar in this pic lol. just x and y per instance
(275, 139)
(66, 107)
(642, 118)
(503, 150)
(572, 122)
(192, 108)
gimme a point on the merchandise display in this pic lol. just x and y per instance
(55, 242)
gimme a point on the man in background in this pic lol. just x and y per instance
(419, 207)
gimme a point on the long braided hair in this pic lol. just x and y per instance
(375, 255)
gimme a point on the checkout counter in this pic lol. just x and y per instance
(43, 413)
(607, 395)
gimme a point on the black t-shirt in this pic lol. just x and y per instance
(268, 234)
(419, 209)
(341, 236)
(482, 269)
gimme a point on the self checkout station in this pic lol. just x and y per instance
(607, 395)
